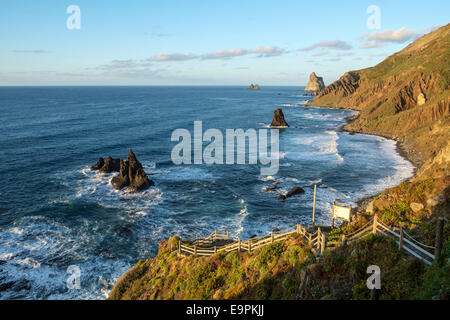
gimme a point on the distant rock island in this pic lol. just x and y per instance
(278, 119)
(131, 172)
(253, 87)
(315, 83)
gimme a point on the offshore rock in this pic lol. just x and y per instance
(278, 119)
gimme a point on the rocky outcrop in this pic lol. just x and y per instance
(253, 87)
(278, 119)
(110, 165)
(131, 173)
(99, 164)
(315, 83)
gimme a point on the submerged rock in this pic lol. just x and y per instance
(278, 119)
(315, 83)
(294, 191)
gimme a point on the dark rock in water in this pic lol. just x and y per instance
(131, 172)
(281, 197)
(294, 191)
(100, 163)
(253, 236)
(276, 230)
(352, 133)
(122, 180)
(111, 165)
(132, 175)
(269, 189)
(278, 119)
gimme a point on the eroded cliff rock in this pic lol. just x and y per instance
(315, 83)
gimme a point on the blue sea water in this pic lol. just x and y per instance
(55, 212)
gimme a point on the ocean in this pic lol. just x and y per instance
(55, 212)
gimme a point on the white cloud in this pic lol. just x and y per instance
(333, 44)
(174, 57)
(379, 39)
(323, 53)
(30, 51)
(262, 52)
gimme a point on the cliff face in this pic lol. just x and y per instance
(406, 97)
(315, 83)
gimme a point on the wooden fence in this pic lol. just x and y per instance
(317, 240)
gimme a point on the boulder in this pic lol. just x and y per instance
(294, 191)
(315, 83)
(99, 164)
(421, 99)
(281, 197)
(278, 119)
(111, 165)
(416, 207)
(432, 202)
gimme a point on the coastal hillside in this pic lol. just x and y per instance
(407, 98)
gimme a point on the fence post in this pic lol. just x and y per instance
(322, 247)
(332, 215)
(215, 235)
(375, 223)
(215, 249)
(314, 206)
(195, 249)
(239, 244)
(310, 239)
(400, 242)
(250, 245)
(298, 229)
(439, 238)
(179, 246)
(271, 237)
(319, 238)
(227, 236)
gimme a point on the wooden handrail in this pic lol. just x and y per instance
(317, 240)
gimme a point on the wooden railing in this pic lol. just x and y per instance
(317, 241)
(205, 246)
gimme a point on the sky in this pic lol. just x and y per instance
(209, 42)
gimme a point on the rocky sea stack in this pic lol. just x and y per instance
(278, 119)
(253, 87)
(131, 172)
(315, 83)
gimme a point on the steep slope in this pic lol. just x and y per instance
(406, 97)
